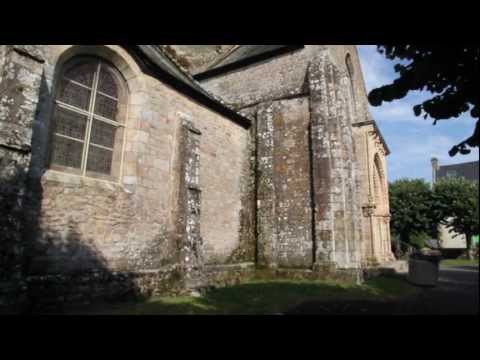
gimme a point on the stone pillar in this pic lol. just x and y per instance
(388, 237)
(321, 109)
(266, 195)
(20, 81)
(371, 246)
(191, 244)
(381, 240)
(334, 181)
(327, 164)
(352, 169)
(284, 185)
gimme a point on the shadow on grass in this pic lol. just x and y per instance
(264, 297)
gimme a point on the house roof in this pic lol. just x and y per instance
(468, 170)
(155, 61)
(244, 55)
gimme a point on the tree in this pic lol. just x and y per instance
(455, 205)
(410, 204)
(450, 73)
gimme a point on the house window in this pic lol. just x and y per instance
(451, 173)
(88, 119)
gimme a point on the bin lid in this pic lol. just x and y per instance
(426, 254)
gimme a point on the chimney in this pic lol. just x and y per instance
(434, 169)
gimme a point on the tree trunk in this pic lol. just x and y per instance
(469, 247)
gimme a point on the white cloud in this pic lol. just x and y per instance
(374, 67)
(411, 155)
(398, 111)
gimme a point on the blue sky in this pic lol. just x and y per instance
(412, 140)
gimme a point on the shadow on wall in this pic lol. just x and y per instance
(41, 269)
(54, 268)
(64, 267)
(12, 180)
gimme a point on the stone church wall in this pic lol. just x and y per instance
(264, 81)
(20, 80)
(305, 106)
(284, 185)
(200, 200)
(339, 55)
(285, 76)
(79, 233)
(86, 223)
(374, 196)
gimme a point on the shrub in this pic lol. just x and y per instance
(418, 239)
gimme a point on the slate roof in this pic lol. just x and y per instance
(155, 61)
(167, 64)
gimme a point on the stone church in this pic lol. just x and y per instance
(155, 169)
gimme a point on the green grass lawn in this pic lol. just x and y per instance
(262, 297)
(459, 262)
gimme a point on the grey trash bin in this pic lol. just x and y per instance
(423, 268)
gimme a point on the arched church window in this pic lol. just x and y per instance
(88, 119)
(351, 74)
(381, 194)
(348, 62)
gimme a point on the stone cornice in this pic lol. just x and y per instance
(377, 133)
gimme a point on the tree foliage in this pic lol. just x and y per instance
(416, 209)
(455, 204)
(450, 73)
(410, 205)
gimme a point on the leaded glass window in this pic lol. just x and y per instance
(88, 119)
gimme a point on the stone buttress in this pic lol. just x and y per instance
(307, 209)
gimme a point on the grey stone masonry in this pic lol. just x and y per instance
(20, 81)
(191, 245)
(266, 195)
(336, 221)
(259, 168)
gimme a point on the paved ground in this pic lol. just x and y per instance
(456, 293)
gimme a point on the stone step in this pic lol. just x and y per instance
(400, 266)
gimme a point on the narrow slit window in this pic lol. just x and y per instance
(351, 74)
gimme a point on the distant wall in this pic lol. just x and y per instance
(450, 240)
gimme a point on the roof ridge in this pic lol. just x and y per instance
(221, 58)
(242, 56)
(464, 163)
(180, 67)
(196, 83)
